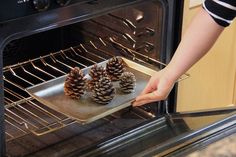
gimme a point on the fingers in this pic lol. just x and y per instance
(147, 98)
(150, 87)
(140, 103)
(146, 90)
(158, 88)
(157, 95)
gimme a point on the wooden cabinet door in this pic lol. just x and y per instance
(212, 81)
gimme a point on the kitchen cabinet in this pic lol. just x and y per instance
(212, 81)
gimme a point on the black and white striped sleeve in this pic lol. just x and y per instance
(222, 11)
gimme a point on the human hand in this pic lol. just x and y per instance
(158, 88)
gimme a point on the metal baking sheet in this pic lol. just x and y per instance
(85, 110)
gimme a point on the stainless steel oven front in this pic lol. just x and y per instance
(43, 39)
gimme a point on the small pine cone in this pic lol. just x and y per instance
(115, 67)
(74, 86)
(127, 82)
(104, 91)
(96, 74)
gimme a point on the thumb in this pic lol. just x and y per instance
(164, 88)
(148, 88)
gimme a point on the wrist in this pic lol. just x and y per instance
(170, 74)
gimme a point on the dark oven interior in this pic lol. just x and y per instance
(135, 32)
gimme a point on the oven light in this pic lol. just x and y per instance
(150, 114)
(139, 17)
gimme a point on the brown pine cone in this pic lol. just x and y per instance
(115, 67)
(96, 73)
(127, 82)
(74, 86)
(104, 91)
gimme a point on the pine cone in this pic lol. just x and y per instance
(115, 67)
(104, 91)
(74, 86)
(127, 82)
(96, 74)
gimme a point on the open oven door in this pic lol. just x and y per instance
(175, 134)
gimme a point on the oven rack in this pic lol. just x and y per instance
(24, 114)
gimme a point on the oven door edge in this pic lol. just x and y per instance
(172, 134)
(2, 126)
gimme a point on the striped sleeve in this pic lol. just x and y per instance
(222, 11)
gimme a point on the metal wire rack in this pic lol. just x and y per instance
(24, 114)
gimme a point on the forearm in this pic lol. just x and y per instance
(197, 40)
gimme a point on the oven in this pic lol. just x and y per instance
(41, 40)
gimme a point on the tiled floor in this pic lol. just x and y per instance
(223, 148)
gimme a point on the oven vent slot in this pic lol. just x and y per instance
(24, 114)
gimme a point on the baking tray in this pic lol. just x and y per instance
(85, 110)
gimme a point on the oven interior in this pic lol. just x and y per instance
(134, 32)
(83, 34)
